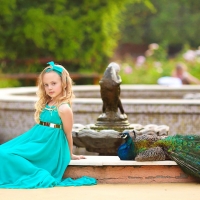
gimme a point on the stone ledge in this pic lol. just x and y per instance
(115, 161)
(110, 169)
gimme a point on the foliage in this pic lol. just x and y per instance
(9, 83)
(82, 35)
(147, 70)
(79, 34)
(168, 23)
(172, 21)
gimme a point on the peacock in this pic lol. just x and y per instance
(126, 151)
(183, 149)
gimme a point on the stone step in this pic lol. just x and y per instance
(110, 169)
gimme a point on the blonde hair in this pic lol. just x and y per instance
(68, 94)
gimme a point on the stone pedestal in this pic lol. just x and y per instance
(112, 120)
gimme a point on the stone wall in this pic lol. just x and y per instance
(16, 111)
(182, 116)
(140, 91)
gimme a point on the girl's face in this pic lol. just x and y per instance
(52, 84)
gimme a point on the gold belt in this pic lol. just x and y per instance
(50, 125)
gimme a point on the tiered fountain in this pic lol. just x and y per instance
(103, 136)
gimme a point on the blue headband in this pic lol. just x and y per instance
(54, 68)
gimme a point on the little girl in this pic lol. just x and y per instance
(39, 157)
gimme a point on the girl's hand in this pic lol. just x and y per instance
(77, 157)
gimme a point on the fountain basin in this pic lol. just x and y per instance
(181, 115)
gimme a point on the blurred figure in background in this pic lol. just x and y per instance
(180, 72)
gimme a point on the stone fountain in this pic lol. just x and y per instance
(103, 136)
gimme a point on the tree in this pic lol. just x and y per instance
(78, 33)
(174, 22)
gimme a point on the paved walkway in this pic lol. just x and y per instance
(164, 191)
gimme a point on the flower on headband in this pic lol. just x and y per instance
(55, 68)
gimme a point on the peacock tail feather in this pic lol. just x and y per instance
(146, 150)
(184, 150)
(145, 142)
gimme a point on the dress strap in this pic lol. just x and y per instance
(64, 103)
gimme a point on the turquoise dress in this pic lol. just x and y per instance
(38, 158)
